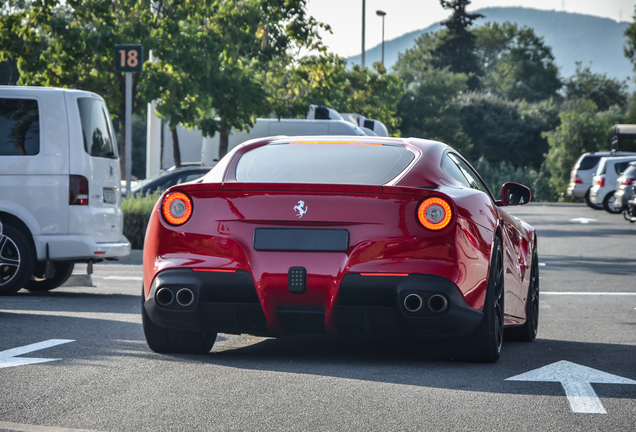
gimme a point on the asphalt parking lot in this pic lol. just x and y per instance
(76, 359)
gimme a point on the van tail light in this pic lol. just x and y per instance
(601, 181)
(77, 190)
(176, 208)
(434, 213)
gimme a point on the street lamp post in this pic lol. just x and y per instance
(382, 14)
(363, 12)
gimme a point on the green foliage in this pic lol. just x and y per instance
(139, 130)
(456, 46)
(582, 129)
(430, 107)
(503, 131)
(603, 91)
(325, 80)
(137, 210)
(516, 63)
(538, 180)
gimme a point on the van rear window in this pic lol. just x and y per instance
(19, 127)
(332, 163)
(96, 130)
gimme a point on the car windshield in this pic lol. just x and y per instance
(329, 162)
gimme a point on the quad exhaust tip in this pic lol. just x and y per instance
(437, 303)
(185, 297)
(164, 297)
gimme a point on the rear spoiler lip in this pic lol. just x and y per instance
(305, 187)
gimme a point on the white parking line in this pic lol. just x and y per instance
(33, 428)
(588, 293)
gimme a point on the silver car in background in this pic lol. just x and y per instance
(604, 182)
(583, 172)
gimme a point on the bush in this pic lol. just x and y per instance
(137, 211)
(537, 180)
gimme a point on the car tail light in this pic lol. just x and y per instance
(77, 190)
(434, 214)
(627, 182)
(601, 181)
(577, 179)
(177, 208)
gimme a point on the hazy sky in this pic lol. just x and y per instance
(403, 16)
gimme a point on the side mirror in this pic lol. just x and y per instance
(514, 194)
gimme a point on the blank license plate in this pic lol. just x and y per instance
(294, 239)
(109, 196)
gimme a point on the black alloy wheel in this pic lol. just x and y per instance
(17, 260)
(484, 345)
(528, 331)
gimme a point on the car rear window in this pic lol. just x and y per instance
(588, 162)
(96, 131)
(630, 171)
(332, 163)
(19, 127)
(621, 166)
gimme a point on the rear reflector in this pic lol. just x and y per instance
(77, 190)
(385, 274)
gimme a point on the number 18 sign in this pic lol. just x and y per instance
(129, 58)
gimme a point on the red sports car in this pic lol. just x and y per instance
(357, 237)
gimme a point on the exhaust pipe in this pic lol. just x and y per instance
(164, 297)
(437, 303)
(185, 297)
(413, 302)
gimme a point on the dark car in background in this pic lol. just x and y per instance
(169, 178)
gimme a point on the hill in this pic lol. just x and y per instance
(597, 42)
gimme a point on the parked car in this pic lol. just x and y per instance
(583, 172)
(166, 179)
(604, 182)
(60, 183)
(352, 236)
(624, 185)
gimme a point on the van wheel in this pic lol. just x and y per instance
(63, 271)
(17, 260)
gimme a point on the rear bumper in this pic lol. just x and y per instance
(368, 307)
(577, 190)
(79, 248)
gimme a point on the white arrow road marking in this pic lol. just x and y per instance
(576, 381)
(8, 357)
(583, 220)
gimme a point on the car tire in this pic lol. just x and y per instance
(484, 345)
(590, 204)
(164, 340)
(17, 260)
(608, 204)
(63, 271)
(528, 331)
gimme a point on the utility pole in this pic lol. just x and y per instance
(363, 13)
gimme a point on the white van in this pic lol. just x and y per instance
(264, 127)
(60, 197)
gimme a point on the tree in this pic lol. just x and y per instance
(516, 63)
(325, 80)
(430, 107)
(583, 129)
(504, 131)
(456, 46)
(603, 91)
